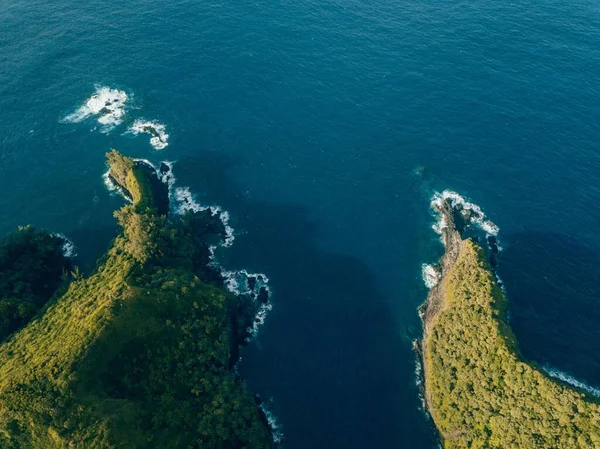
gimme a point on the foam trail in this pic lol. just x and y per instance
(68, 247)
(430, 274)
(255, 286)
(260, 318)
(107, 104)
(566, 378)
(159, 138)
(186, 201)
(114, 188)
(276, 428)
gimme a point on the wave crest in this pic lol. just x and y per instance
(431, 275)
(568, 379)
(471, 212)
(276, 428)
(107, 104)
(254, 286)
(68, 247)
(159, 138)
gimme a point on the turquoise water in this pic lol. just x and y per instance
(324, 128)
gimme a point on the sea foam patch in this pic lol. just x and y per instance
(419, 377)
(68, 247)
(471, 212)
(185, 201)
(254, 286)
(431, 275)
(114, 188)
(106, 104)
(159, 139)
(275, 426)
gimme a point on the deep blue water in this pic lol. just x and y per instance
(324, 128)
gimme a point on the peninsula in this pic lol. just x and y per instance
(479, 391)
(141, 353)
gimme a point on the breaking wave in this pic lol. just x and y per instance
(254, 286)
(431, 275)
(473, 217)
(566, 378)
(471, 212)
(109, 107)
(159, 138)
(114, 188)
(186, 201)
(68, 247)
(106, 104)
(419, 377)
(276, 428)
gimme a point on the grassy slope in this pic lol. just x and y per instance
(135, 356)
(482, 395)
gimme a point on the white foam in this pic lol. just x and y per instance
(168, 177)
(107, 104)
(68, 247)
(489, 228)
(110, 185)
(419, 378)
(439, 226)
(276, 428)
(145, 161)
(229, 237)
(553, 372)
(114, 188)
(260, 318)
(159, 138)
(237, 282)
(184, 201)
(470, 211)
(431, 275)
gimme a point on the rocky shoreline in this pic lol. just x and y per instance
(208, 230)
(452, 239)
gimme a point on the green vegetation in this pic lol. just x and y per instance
(480, 392)
(137, 355)
(32, 266)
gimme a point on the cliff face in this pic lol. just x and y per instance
(137, 355)
(479, 391)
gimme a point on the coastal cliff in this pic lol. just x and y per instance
(479, 391)
(141, 353)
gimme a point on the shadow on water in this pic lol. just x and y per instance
(553, 285)
(329, 354)
(91, 244)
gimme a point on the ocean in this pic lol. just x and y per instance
(324, 129)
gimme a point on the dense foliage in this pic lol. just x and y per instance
(481, 394)
(32, 266)
(138, 355)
